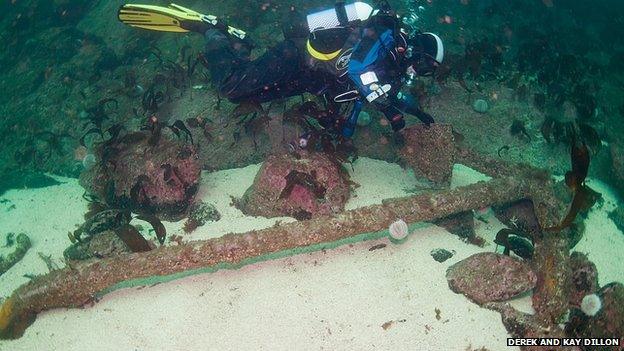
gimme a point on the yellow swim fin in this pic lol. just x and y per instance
(173, 18)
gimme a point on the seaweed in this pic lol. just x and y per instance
(555, 131)
(159, 228)
(132, 238)
(584, 197)
(137, 193)
(96, 115)
(252, 119)
(151, 99)
(518, 129)
(305, 180)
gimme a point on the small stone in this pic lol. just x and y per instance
(364, 119)
(487, 277)
(441, 255)
(481, 106)
(202, 212)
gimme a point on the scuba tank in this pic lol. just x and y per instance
(339, 16)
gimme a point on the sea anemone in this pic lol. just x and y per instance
(398, 230)
(591, 304)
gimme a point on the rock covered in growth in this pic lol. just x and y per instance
(583, 278)
(608, 322)
(430, 151)
(441, 255)
(199, 214)
(104, 244)
(524, 325)
(145, 175)
(487, 277)
(303, 186)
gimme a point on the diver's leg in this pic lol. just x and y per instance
(276, 74)
(224, 55)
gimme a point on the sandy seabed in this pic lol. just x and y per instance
(346, 298)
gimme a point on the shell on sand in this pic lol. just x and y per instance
(398, 230)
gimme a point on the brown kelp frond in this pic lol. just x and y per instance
(100, 112)
(132, 238)
(584, 198)
(252, 118)
(305, 180)
(159, 228)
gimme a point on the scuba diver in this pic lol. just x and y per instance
(349, 55)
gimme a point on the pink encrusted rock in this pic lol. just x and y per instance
(302, 187)
(487, 277)
(583, 279)
(145, 176)
(430, 151)
(608, 321)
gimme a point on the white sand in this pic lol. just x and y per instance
(336, 299)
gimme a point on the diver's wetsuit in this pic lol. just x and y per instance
(278, 73)
(289, 69)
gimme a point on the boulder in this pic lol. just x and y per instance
(303, 186)
(607, 323)
(145, 174)
(584, 278)
(488, 277)
(430, 152)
